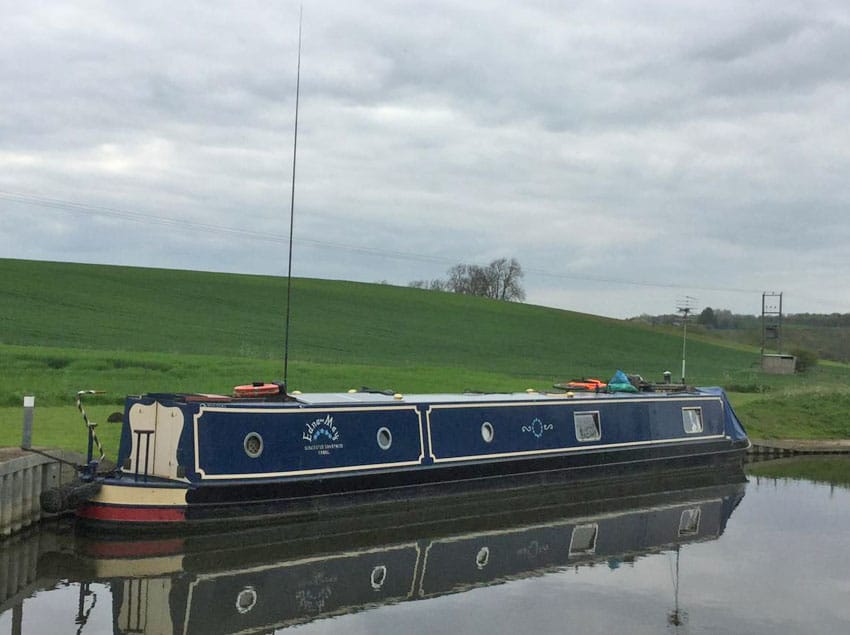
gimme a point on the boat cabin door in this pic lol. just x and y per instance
(155, 431)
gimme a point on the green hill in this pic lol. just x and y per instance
(134, 309)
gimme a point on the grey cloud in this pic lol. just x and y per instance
(683, 144)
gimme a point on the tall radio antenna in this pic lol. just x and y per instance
(685, 306)
(292, 206)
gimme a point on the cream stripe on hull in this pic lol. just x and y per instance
(135, 496)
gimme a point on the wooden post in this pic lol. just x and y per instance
(18, 618)
(26, 435)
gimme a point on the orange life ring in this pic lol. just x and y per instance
(257, 389)
(586, 384)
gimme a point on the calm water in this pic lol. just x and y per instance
(768, 556)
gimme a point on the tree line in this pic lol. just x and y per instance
(499, 280)
(723, 319)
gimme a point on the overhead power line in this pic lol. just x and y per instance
(152, 219)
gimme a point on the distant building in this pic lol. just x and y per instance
(778, 364)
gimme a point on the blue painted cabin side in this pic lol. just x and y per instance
(194, 440)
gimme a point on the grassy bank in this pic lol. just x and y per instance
(54, 375)
(65, 327)
(62, 427)
(820, 413)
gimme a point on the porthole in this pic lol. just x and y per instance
(482, 557)
(246, 600)
(487, 432)
(253, 445)
(379, 576)
(385, 438)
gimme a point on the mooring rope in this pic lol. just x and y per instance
(91, 425)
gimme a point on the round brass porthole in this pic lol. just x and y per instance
(253, 445)
(487, 432)
(246, 600)
(385, 438)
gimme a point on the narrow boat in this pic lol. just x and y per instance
(265, 453)
(198, 458)
(274, 576)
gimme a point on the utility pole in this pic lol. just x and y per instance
(685, 306)
(771, 320)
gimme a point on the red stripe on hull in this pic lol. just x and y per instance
(118, 513)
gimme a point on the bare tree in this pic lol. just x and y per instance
(432, 285)
(500, 280)
(505, 276)
(469, 280)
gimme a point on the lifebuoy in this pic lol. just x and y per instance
(585, 384)
(257, 389)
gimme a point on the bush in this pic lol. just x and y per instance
(806, 359)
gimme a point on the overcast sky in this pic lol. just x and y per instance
(627, 153)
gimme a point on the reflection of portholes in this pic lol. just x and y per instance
(379, 576)
(253, 445)
(385, 438)
(487, 431)
(483, 557)
(246, 599)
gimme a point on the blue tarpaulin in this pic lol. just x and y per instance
(620, 383)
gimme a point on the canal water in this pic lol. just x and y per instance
(765, 552)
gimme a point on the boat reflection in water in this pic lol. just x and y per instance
(257, 580)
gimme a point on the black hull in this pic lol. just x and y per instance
(421, 490)
(366, 527)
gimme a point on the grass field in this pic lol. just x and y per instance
(64, 327)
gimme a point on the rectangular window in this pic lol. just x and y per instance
(689, 522)
(583, 540)
(692, 419)
(587, 425)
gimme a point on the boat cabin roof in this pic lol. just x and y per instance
(312, 399)
(375, 398)
(378, 398)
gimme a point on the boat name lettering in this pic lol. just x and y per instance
(322, 435)
(537, 427)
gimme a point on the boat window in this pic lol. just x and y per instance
(689, 522)
(692, 419)
(588, 427)
(583, 540)
(385, 438)
(487, 431)
(253, 444)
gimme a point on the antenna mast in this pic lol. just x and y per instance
(685, 306)
(292, 207)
